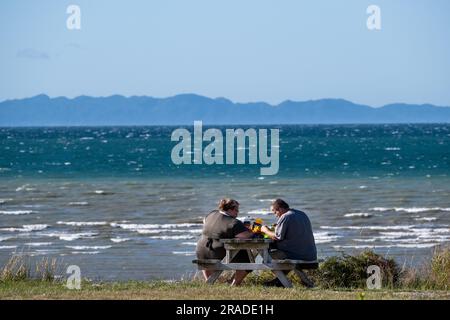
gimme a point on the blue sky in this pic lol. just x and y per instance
(252, 50)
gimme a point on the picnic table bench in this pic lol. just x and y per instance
(255, 247)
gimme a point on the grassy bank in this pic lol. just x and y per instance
(196, 290)
(340, 278)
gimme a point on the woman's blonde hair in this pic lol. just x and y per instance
(228, 204)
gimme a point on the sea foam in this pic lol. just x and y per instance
(83, 223)
(16, 212)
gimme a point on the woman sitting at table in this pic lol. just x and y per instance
(222, 224)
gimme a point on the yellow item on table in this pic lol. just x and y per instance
(257, 225)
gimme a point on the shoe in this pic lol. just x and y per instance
(273, 283)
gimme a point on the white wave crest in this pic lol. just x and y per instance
(24, 187)
(88, 247)
(135, 227)
(27, 228)
(263, 212)
(358, 215)
(365, 240)
(83, 223)
(16, 212)
(409, 245)
(80, 203)
(182, 237)
(184, 253)
(38, 244)
(85, 252)
(69, 236)
(156, 231)
(410, 210)
(426, 219)
(103, 192)
(7, 247)
(189, 243)
(400, 227)
(118, 240)
(325, 237)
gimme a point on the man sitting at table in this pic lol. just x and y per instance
(293, 236)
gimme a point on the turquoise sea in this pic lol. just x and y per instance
(110, 200)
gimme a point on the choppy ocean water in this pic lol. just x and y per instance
(111, 201)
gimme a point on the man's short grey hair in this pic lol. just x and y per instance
(280, 204)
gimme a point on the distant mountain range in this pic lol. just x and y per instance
(185, 108)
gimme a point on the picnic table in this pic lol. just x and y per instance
(255, 247)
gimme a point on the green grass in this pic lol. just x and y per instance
(34, 289)
(339, 278)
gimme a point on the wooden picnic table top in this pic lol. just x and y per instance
(244, 241)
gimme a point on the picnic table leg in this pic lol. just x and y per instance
(251, 255)
(304, 278)
(229, 255)
(265, 255)
(213, 277)
(283, 279)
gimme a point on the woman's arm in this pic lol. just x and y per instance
(244, 235)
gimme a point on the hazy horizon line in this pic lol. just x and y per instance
(218, 98)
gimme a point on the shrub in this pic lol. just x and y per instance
(349, 271)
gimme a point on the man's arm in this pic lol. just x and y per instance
(280, 229)
(271, 234)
